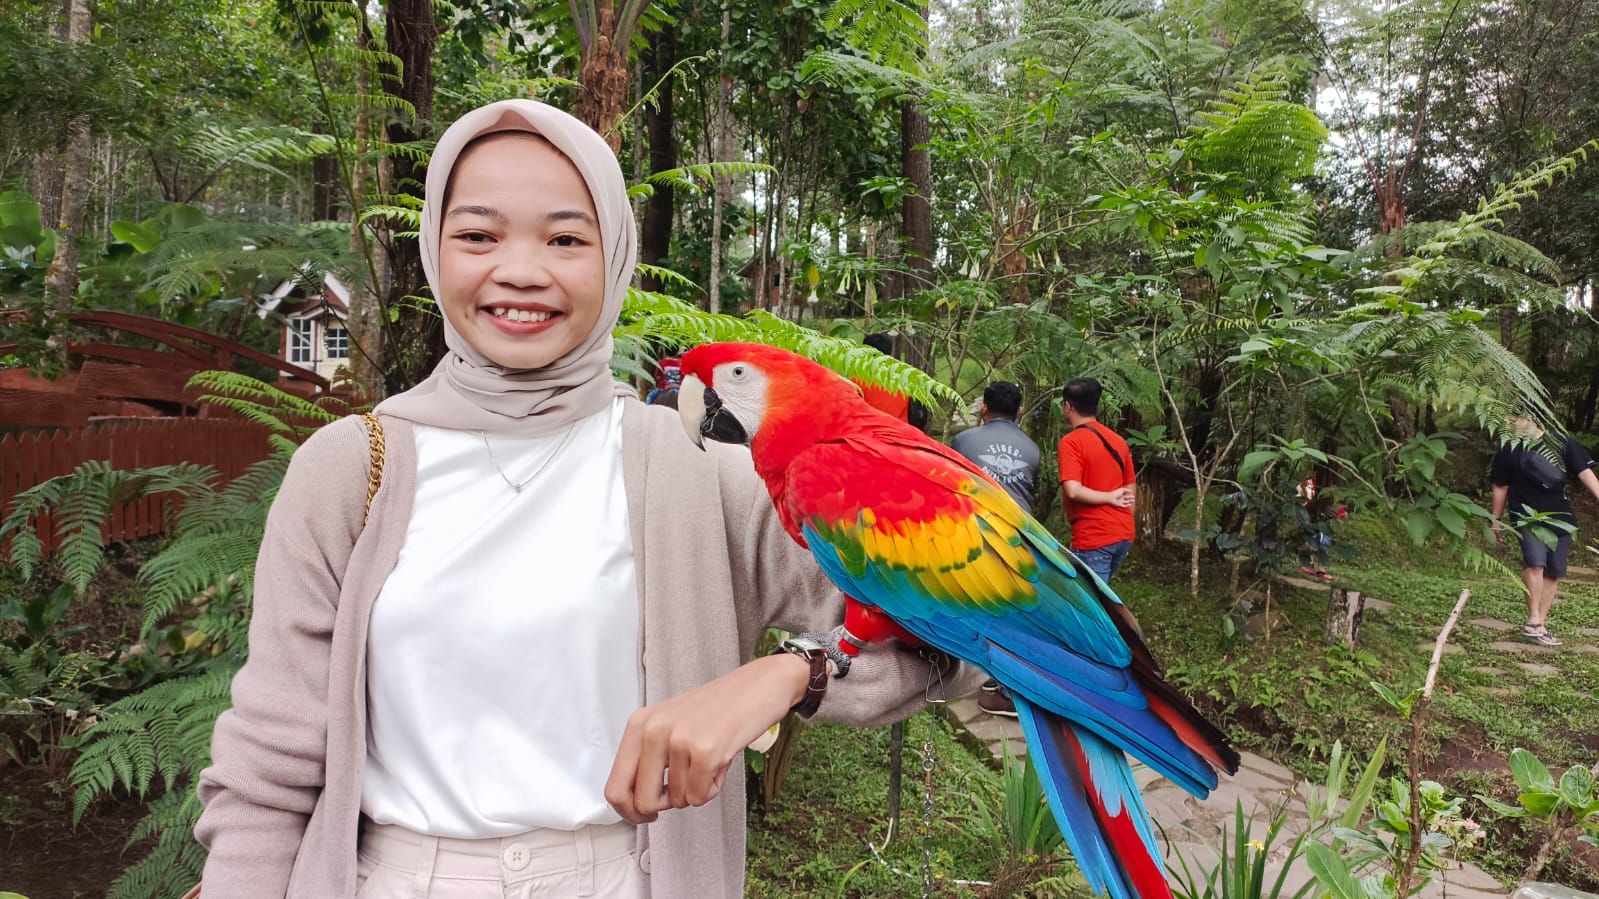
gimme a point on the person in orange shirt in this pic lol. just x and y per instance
(1096, 475)
(884, 400)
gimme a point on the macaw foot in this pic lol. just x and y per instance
(864, 624)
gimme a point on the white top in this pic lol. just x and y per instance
(502, 659)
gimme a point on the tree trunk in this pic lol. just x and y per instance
(1391, 205)
(1012, 256)
(655, 239)
(365, 316)
(1199, 536)
(1344, 611)
(414, 342)
(604, 76)
(1583, 418)
(916, 161)
(61, 279)
(720, 185)
(915, 133)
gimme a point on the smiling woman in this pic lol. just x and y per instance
(503, 681)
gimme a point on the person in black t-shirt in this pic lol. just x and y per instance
(1529, 478)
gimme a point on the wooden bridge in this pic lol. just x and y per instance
(110, 378)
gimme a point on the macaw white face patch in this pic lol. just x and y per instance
(742, 388)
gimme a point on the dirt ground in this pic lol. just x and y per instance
(42, 856)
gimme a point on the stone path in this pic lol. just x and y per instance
(1193, 827)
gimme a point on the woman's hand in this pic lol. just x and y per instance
(675, 754)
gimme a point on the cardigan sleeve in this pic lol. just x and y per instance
(886, 682)
(268, 751)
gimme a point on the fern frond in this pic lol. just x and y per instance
(1480, 244)
(82, 500)
(668, 276)
(287, 416)
(163, 730)
(657, 318)
(418, 151)
(891, 32)
(700, 176)
(844, 70)
(175, 862)
(1254, 130)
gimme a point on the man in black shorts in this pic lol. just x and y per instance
(1529, 476)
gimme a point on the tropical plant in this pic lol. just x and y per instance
(1559, 808)
(1013, 819)
(47, 701)
(1240, 870)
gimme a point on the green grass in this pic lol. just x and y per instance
(816, 839)
(1290, 697)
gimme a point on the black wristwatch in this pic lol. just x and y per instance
(815, 652)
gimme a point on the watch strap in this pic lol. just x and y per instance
(816, 686)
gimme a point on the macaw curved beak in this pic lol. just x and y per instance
(704, 415)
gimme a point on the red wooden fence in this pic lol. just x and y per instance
(26, 460)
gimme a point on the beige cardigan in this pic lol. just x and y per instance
(283, 794)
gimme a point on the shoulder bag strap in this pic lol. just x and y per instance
(1120, 465)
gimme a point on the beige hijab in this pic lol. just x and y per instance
(468, 391)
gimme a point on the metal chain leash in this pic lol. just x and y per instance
(929, 762)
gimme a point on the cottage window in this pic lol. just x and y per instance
(338, 342)
(300, 335)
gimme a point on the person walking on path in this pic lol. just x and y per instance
(1010, 457)
(501, 680)
(999, 447)
(1530, 481)
(1097, 482)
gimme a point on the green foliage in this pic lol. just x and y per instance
(176, 860)
(156, 741)
(1240, 872)
(1253, 129)
(891, 31)
(1012, 819)
(697, 177)
(162, 732)
(1321, 800)
(651, 318)
(1385, 842)
(80, 502)
(48, 697)
(289, 419)
(1571, 804)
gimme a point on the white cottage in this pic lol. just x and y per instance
(316, 335)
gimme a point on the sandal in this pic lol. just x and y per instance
(1325, 575)
(1537, 633)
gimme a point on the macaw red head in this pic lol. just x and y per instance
(733, 391)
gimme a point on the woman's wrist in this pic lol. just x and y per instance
(790, 673)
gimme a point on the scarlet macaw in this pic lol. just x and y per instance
(911, 530)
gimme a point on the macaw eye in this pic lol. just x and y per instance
(738, 371)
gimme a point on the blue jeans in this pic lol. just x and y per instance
(1106, 559)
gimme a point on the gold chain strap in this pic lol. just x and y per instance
(374, 433)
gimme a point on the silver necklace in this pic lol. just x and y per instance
(515, 487)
